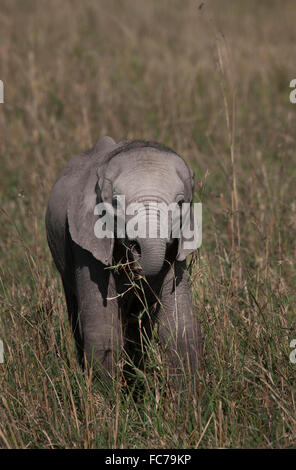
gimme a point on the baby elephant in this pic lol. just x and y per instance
(117, 274)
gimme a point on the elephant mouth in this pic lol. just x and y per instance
(135, 250)
(134, 254)
(147, 255)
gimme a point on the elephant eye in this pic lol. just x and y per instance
(180, 202)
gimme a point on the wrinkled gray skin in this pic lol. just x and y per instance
(101, 306)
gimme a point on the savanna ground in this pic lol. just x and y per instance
(212, 82)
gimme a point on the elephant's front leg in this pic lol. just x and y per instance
(178, 328)
(98, 314)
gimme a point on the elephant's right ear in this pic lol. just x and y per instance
(82, 219)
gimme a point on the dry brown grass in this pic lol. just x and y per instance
(212, 83)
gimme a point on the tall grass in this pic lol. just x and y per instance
(213, 84)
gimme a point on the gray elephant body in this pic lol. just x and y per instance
(101, 300)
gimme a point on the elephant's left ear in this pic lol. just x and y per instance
(190, 233)
(82, 218)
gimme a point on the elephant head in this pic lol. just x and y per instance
(147, 174)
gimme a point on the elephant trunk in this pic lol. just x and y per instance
(152, 249)
(152, 255)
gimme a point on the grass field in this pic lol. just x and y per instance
(212, 82)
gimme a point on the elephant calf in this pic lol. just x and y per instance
(100, 274)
